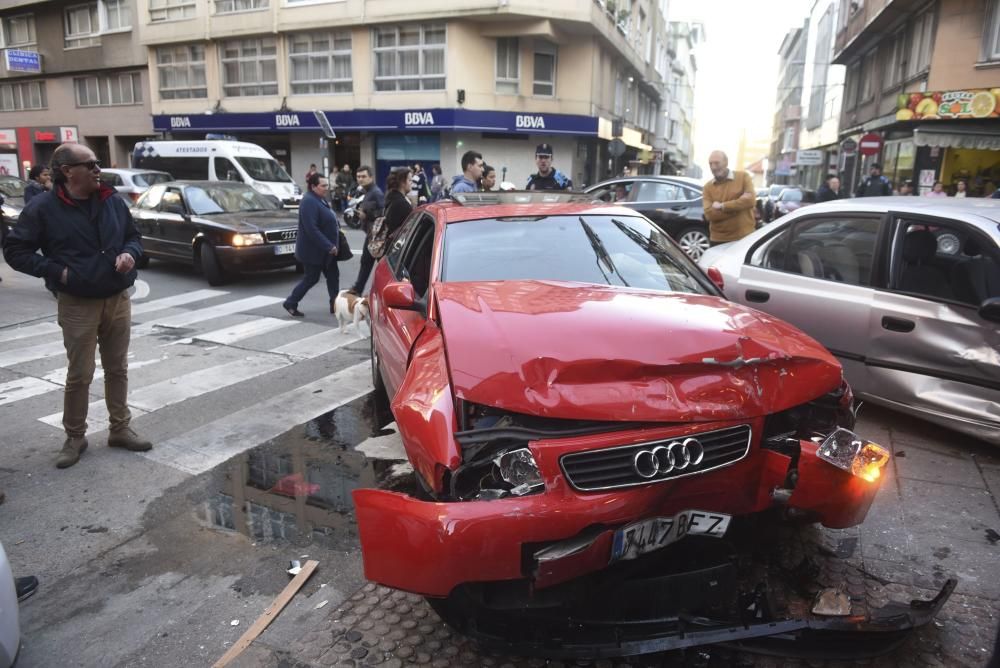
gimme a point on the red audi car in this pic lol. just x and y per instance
(577, 398)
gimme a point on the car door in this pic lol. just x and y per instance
(401, 328)
(928, 346)
(817, 273)
(666, 204)
(174, 224)
(146, 215)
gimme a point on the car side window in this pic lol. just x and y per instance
(652, 191)
(832, 249)
(111, 180)
(944, 260)
(152, 198)
(416, 264)
(225, 170)
(395, 251)
(171, 201)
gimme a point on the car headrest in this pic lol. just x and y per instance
(972, 247)
(919, 245)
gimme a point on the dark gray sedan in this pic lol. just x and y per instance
(905, 291)
(221, 228)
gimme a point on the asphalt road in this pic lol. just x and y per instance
(148, 560)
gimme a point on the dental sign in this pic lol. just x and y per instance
(379, 120)
(19, 60)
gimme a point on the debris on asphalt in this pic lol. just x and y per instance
(235, 622)
(992, 536)
(832, 603)
(321, 604)
(294, 567)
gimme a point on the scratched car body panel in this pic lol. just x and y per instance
(533, 352)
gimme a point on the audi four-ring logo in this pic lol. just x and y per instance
(288, 234)
(675, 456)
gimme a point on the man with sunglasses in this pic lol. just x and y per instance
(89, 248)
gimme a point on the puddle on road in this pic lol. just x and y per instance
(297, 488)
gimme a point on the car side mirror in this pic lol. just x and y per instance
(990, 309)
(401, 295)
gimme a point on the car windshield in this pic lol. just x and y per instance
(791, 196)
(11, 187)
(146, 179)
(264, 169)
(609, 250)
(206, 200)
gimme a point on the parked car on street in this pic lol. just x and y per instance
(792, 199)
(12, 191)
(575, 396)
(132, 183)
(672, 202)
(773, 192)
(905, 291)
(221, 228)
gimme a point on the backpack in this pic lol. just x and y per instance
(378, 238)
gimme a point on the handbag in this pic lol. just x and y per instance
(378, 238)
(343, 249)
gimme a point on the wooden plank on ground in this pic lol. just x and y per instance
(268, 616)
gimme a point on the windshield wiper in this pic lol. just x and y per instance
(601, 252)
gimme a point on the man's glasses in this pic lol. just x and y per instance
(89, 164)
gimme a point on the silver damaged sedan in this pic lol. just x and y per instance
(905, 291)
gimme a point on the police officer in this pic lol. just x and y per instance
(547, 177)
(874, 185)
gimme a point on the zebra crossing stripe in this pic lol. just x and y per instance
(200, 315)
(212, 444)
(24, 388)
(176, 300)
(317, 344)
(15, 333)
(244, 330)
(181, 388)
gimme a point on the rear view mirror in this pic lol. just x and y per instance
(990, 309)
(400, 295)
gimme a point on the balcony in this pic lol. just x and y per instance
(869, 25)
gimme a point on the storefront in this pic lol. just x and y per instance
(20, 148)
(385, 138)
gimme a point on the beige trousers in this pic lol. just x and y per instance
(86, 325)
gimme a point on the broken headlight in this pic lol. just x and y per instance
(846, 450)
(818, 417)
(518, 468)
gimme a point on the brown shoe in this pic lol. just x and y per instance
(128, 439)
(71, 451)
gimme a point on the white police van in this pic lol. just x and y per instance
(219, 160)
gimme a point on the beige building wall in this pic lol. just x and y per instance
(957, 48)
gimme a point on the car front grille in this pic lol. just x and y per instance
(281, 236)
(613, 468)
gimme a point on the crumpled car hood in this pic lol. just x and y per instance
(572, 351)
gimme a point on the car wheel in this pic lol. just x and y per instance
(210, 266)
(143, 262)
(382, 411)
(693, 241)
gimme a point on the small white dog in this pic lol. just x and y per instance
(350, 308)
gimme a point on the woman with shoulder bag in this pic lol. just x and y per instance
(397, 209)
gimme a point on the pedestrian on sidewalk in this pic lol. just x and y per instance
(89, 248)
(830, 190)
(472, 171)
(489, 180)
(547, 177)
(343, 186)
(728, 201)
(438, 183)
(937, 190)
(874, 185)
(371, 207)
(316, 244)
(39, 181)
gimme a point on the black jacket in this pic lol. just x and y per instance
(826, 194)
(32, 190)
(373, 205)
(873, 186)
(397, 208)
(86, 239)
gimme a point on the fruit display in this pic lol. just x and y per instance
(948, 105)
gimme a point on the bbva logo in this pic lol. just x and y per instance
(180, 122)
(523, 121)
(418, 118)
(286, 120)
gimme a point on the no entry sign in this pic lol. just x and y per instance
(870, 144)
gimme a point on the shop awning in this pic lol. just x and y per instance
(958, 135)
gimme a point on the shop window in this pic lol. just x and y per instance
(105, 91)
(991, 34)
(82, 25)
(181, 71)
(320, 63)
(409, 57)
(171, 10)
(18, 31)
(545, 69)
(508, 65)
(22, 96)
(921, 44)
(249, 67)
(233, 6)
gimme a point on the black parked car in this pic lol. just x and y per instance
(773, 193)
(221, 228)
(672, 202)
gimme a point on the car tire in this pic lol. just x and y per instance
(210, 266)
(693, 240)
(382, 412)
(143, 261)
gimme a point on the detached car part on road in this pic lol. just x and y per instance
(582, 409)
(221, 228)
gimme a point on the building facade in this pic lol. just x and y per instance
(788, 109)
(402, 83)
(72, 70)
(684, 39)
(922, 90)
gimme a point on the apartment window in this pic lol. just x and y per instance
(106, 91)
(181, 71)
(320, 63)
(410, 57)
(171, 10)
(18, 31)
(851, 86)
(233, 6)
(118, 15)
(83, 27)
(921, 35)
(545, 69)
(250, 67)
(867, 88)
(508, 65)
(23, 95)
(619, 94)
(991, 34)
(892, 73)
